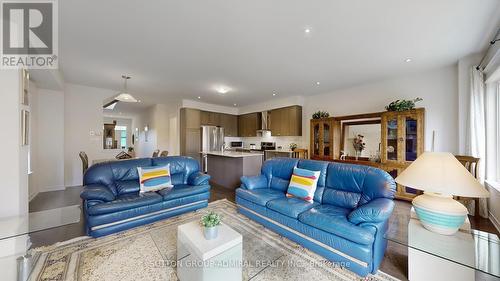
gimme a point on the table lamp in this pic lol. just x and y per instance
(440, 175)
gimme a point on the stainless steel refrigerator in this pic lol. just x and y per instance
(212, 139)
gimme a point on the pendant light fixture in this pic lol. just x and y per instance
(124, 96)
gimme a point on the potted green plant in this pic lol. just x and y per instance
(293, 146)
(402, 105)
(320, 114)
(210, 223)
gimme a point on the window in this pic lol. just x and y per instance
(121, 131)
(492, 103)
(123, 139)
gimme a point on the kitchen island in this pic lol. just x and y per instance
(226, 168)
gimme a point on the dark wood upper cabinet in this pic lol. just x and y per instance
(210, 118)
(230, 124)
(286, 121)
(248, 124)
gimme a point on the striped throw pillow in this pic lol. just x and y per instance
(303, 184)
(154, 178)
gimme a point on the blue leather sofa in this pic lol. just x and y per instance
(111, 199)
(346, 222)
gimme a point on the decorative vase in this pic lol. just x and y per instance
(210, 232)
(357, 153)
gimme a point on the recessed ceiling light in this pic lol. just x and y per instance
(307, 30)
(408, 60)
(274, 94)
(318, 83)
(235, 104)
(199, 98)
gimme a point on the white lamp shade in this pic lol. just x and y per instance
(124, 97)
(441, 172)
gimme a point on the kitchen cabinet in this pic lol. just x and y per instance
(286, 121)
(190, 132)
(190, 118)
(230, 124)
(248, 124)
(211, 118)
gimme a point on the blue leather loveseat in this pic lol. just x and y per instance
(346, 222)
(111, 199)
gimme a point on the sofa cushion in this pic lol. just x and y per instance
(315, 165)
(259, 196)
(341, 198)
(183, 190)
(333, 219)
(353, 249)
(303, 184)
(279, 171)
(100, 219)
(130, 186)
(154, 178)
(125, 170)
(181, 167)
(124, 202)
(291, 207)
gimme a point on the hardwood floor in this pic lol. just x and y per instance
(394, 263)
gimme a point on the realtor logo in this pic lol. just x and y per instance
(29, 34)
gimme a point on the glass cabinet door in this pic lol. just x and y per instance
(316, 139)
(392, 139)
(326, 139)
(411, 140)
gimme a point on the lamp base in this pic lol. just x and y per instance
(438, 213)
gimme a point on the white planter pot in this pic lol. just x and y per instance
(210, 232)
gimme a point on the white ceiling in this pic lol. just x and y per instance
(184, 48)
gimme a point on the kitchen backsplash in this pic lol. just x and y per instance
(284, 142)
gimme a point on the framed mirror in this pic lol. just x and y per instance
(117, 133)
(361, 140)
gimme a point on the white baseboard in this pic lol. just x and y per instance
(495, 221)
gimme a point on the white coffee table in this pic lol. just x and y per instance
(201, 259)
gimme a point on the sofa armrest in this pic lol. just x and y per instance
(377, 210)
(253, 182)
(198, 179)
(97, 192)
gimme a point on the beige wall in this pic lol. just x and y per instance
(83, 129)
(163, 134)
(48, 141)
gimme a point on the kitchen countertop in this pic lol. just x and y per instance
(234, 154)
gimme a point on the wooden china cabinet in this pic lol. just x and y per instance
(325, 139)
(402, 141)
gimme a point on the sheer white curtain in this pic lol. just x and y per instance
(476, 130)
(492, 104)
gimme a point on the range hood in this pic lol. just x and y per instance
(264, 129)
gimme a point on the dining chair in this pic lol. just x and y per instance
(155, 153)
(164, 153)
(85, 161)
(300, 153)
(472, 165)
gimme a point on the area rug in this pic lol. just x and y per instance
(148, 252)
